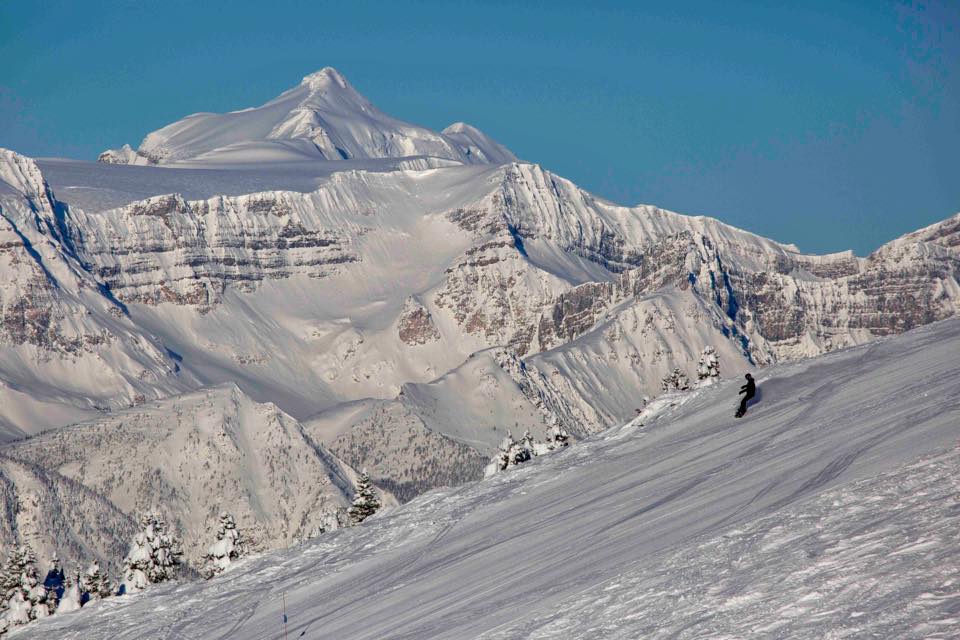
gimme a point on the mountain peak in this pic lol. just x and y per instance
(324, 79)
(324, 117)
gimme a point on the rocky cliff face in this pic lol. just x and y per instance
(165, 249)
(783, 304)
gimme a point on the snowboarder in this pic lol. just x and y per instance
(750, 389)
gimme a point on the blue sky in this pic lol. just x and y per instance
(832, 125)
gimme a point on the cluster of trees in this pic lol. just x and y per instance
(708, 372)
(26, 598)
(513, 452)
(155, 556)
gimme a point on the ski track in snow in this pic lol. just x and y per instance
(876, 559)
(830, 511)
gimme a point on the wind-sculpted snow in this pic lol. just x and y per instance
(825, 512)
(477, 145)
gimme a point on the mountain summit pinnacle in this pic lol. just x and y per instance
(323, 79)
(322, 118)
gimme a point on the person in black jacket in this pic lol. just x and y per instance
(750, 389)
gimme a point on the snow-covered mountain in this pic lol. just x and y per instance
(70, 348)
(188, 458)
(409, 301)
(829, 511)
(323, 117)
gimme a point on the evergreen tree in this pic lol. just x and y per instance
(708, 369)
(557, 437)
(513, 452)
(154, 555)
(676, 381)
(24, 597)
(523, 450)
(365, 502)
(226, 548)
(331, 521)
(501, 460)
(95, 584)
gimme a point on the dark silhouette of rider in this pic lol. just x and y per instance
(751, 390)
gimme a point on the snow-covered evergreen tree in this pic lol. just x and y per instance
(708, 369)
(513, 452)
(154, 555)
(557, 437)
(72, 594)
(331, 521)
(24, 597)
(226, 548)
(524, 449)
(501, 459)
(365, 502)
(676, 381)
(95, 583)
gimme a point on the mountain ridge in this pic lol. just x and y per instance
(399, 310)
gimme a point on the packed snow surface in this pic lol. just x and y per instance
(830, 510)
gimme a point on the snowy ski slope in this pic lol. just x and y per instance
(829, 511)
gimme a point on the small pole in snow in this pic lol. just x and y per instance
(284, 596)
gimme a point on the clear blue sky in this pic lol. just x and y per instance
(835, 125)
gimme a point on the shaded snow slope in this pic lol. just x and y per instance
(68, 347)
(477, 145)
(323, 117)
(665, 529)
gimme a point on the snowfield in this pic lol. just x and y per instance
(830, 511)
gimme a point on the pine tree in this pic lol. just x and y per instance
(523, 450)
(365, 502)
(226, 548)
(513, 452)
(154, 556)
(96, 584)
(557, 437)
(24, 597)
(501, 460)
(708, 369)
(676, 381)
